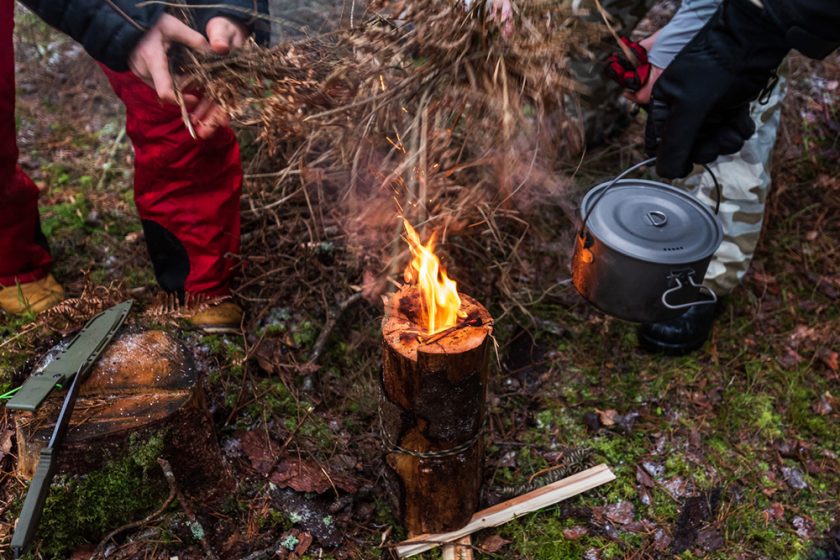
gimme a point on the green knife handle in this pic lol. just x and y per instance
(33, 505)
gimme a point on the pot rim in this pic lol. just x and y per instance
(667, 258)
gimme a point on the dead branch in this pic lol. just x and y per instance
(198, 530)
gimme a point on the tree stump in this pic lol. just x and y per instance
(144, 384)
(432, 413)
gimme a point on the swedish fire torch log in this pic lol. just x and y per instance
(433, 392)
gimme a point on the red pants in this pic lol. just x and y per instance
(186, 191)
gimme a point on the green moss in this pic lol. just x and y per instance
(304, 334)
(82, 509)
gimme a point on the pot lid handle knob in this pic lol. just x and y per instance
(657, 218)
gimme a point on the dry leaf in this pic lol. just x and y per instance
(620, 513)
(257, 447)
(576, 532)
(492, 543)
(304, 543)
(775, 512)
(607, 417)
(306, 476)
(825, 404)
(830, 358)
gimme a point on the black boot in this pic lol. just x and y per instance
(679, 336)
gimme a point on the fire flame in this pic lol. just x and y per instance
(440, 302)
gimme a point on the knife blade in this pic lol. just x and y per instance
(79, 356)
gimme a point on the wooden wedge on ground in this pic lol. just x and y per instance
(511, 509)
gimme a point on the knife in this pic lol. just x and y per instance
(82, 353)
(78, 357)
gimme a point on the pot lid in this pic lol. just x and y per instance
(652, 221)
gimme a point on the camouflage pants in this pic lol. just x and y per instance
(745, 181)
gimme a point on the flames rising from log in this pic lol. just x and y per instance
(440, 302)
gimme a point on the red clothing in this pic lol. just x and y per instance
(23, 254)
(186, 191)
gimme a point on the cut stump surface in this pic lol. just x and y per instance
(145, 383)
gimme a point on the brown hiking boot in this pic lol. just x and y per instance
(35, 296)
(224, 317)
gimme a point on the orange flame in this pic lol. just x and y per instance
(440, 302)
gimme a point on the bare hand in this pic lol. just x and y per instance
(148, 60)
(502, 12)
(225, 33)
(207, 117)
(642, 97)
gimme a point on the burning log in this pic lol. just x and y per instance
(433, 410)
(434, 383)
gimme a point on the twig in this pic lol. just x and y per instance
(624, 48)
(198, 529)
(111, 155)
(100, 549)
(329, 325)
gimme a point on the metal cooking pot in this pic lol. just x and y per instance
(643, 248)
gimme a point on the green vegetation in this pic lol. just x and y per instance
(82, 509)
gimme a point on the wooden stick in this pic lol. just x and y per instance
(630, 55)
(513, 508)
(459, 550)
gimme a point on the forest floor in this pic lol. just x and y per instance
(729, 453)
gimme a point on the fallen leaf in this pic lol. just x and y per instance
(607, 417)
(492, 543)
(794, 478)
(258, 448)
(304, 543)
(305, 476)
(825, 404)
(576, 532)
(830, 358)
(790, 359)
(676, 486)
(775, 512)
(620, 513)
(6, 443)
(661, 540)
(801, 334)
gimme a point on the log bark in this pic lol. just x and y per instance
(144, 384)
(432, 412)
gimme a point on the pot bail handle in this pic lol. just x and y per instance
(632, 168)
(689, 275)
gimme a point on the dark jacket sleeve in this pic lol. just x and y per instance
(107, 29)
(810, 26)
(247, 12)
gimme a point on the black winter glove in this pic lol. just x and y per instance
(700, 105)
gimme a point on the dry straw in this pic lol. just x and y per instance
(430, 104)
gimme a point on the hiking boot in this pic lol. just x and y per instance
(224, 317)
(35, 296)
(679, 336)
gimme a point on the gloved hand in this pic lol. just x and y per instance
(622, 71)
(700, 105)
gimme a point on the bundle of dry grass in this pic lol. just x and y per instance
(429, 103)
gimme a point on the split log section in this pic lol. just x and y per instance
(432, 412)
(144, 384)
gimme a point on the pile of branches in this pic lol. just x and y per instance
(453, 116)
